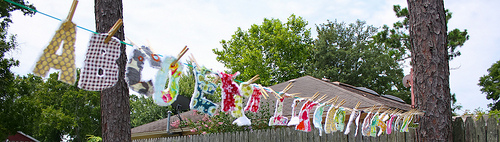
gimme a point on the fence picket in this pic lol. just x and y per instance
(469, 131)
(492, 132)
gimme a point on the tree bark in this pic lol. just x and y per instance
(428, 33)
(115, 111)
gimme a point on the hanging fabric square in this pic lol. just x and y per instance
(202, 87)
(305, 122)
(229, 90)
(354, 115)
(295, 119)
(278, 118)
(254, 100)
(318, 118)
(238, 112)
(135, 66)
(64, 62)
(100, 70)
(365, 127)
(339, 119)
(329, 120)
(373, 124)
(162, 96)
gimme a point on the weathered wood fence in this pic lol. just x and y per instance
(285, 135)
(463, 131)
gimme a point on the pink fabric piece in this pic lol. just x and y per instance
(254, 101)
(305, 122)
(389, 124)
(229, 89)
(278, 118)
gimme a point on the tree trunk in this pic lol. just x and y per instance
(115, 111)
(430, 65)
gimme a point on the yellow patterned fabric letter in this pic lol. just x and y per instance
(64, 62)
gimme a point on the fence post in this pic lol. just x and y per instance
(492, 134)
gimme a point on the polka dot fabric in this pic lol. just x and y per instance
(64, 62)
(100, 70)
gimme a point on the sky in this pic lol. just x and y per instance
(167, 26)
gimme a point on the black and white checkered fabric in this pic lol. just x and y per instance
(100, 70)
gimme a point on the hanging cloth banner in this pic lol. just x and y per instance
(100, 70)
(64, 62)
(295, 119)
(354, 116)
(390, 124)
(339, 120)
(162, 96)
(381, 123)
(135, 66)
(330, 118)
(305, 124)
(365, 127)
(229, 90)
(373, 124)
(318, 118)
(254, 101)
(203, 87)
(246, 91)
(278, 118)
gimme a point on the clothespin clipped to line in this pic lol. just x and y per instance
(341, 103)
(357, 105)
(72, 10)
(184, 50)
(253, 79)
(321, 98)
(113, 30)
(263, 91)
(194, 61)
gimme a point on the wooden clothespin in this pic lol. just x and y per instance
(253, 79)
(329, 101)
(288, 87)
(263, 91)
(194, 61)
(72, 10)
(357, 105)
(184, 50)
(321, 98)
(276, 94)
(335, 99)
(113, 30)
(341, 103)
(314, 96)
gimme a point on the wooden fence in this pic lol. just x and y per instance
(463, 131)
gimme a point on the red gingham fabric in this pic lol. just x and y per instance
(100, 57)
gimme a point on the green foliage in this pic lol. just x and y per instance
(455, 107)
(222, 122)
(490, 85)
(346, 53)
(64, 110)
(92, 138)
(12, 109)
(274, 50)
(398, 36)
(143, 110)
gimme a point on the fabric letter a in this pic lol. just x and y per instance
(64, 62)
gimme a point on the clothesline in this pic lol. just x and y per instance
(53, 17)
